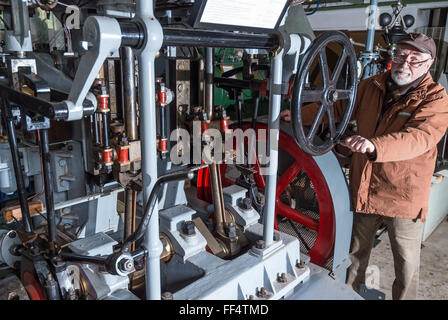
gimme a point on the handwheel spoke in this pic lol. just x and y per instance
(324, 66)
(296, 216)
(331, 122)
(317, 121)
(287, 177)
(343, 94)
(339, 65)
(311, 95)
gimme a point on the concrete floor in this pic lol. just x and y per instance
(433, 265)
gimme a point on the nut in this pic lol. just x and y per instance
(262, 292)
(167, 295)
(188, 228)
(245, 204)
(282, 278)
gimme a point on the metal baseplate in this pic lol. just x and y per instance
(271, 273)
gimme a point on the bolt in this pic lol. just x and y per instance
(12, 234)
(13, 296)
(245, 204)
(300, 264)
(71, 294)
(251, 297)
(282, 278)
(188, 228)
(260, 244)
(167, 295)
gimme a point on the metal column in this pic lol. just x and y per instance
(368, 56)
(275, 97)
(209, 82)
(147, 103)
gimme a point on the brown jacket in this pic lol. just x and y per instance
(397, 183)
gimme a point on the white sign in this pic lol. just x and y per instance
(245, 13)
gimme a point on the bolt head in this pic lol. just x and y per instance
(276, 236)
(12, 234)
(260, 244)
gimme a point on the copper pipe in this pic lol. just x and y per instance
(128, 92)
(128, 213)
(134, 213)
(215, 181)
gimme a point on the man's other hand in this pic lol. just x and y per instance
(285, 115)
(359, 144)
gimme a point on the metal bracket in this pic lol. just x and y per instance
(104, 36)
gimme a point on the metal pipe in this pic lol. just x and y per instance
(48, 183)
(147, 104)
(239, 109)
(273, 126)
(255, 116)
(128, 92)
(209, 57)
(218, 39)
(105, 131)
(96, 129)
(254, 85)
(21, 189)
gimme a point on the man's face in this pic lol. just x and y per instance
(409, 64)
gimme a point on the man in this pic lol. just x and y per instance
(401, 116)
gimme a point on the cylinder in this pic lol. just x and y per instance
(103, 104)
(123, 154)
(106, 156)
(128, 92)
(224, 124)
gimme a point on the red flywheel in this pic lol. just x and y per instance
(323, 227)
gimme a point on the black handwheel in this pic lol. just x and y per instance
(327, 95)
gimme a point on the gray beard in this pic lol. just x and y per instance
(400, 81)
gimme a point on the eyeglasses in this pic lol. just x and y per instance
(402, 58)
